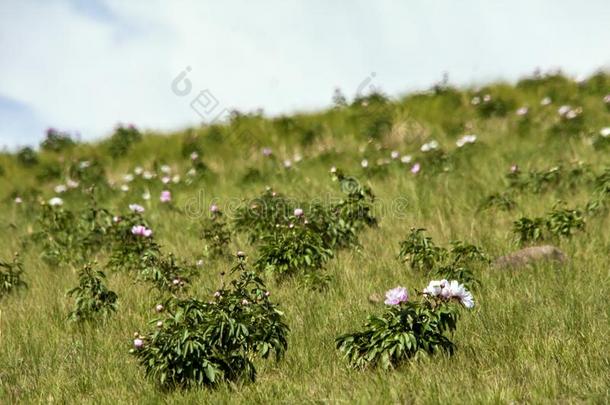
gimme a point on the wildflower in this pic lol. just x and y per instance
(214, 208)
(136, 208)
(406, 159)
(267, 152)
(240, 254)
(514, 168)
(563, 110)
(55, 201)
(607, 99)
(475, 100)
(297, 157)
(159, 324)
(545, 101)
(191, 172)
(394, 154)
(522, 111)
(84, 164)
(138, 170)
(459, 292)
(60, 189)
(159, 308)
(128, 177)
(166, 196)
(287, 163)
(572, 114)
(71, 183)
(176, 179)
(244, 302)
(333, 170)
(166, 169)
(199, 263)
(267, 293)
(141, 230)
(125, 188)
(466, 139)
(396, 295)
(415, 168)
(176, 281)
(116, 219)
(298, 212)
(426, 147)
(194, 155)
(147, 175)
(605, 132)
(165, 179)
(364, 163)
(217, 294)
(138, 343)
(146, 195)
(18, 200)
(435, 287)
(487, 98)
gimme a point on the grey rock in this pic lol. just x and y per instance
(531, 255)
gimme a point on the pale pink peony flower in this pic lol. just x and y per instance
(141, 230)
(435, 287)
(136, 208)
(396, 295)
(166, 196)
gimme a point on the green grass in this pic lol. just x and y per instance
(536, 335)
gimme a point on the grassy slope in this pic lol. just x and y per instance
(536, 335)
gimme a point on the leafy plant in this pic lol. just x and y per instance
(201, 343)
(10, 276)
(419, 251)
(122, 140)
(27, 157)
(215, 234)
(502, 201)
(562, 222)
(93, 299)
(407, 328)
(528, 229)
(56, 141)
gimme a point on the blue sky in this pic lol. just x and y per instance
(83, 66)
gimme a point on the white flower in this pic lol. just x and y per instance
(138, 343)
(147, 175)
(605, 132)
(138, 170)
(487, 98)
(18, 200)
(176, 179)
(60, 189)
(435, 287)
(298, 212)
(165, 179)
(71, 183)
(333, 170)
(466, 139)
(287, 163)
(458, 291)
(522, 111)
(191, 172)
(194, 155)
(56, 201)
(146, 195)
(406, 159)
(394, 154)
(475, 100)
(607, 99)
(545, 101)
(128, 177)
(564, 109)
(426, 147)
(297, 157)
(572, 114)
(84, 164)
(125, 188)
(364, 163)
(166, 169)
(136, 208)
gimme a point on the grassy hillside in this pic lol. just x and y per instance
(536, 334)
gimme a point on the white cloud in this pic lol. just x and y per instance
(79, 72)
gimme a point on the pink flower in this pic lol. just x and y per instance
(396, 295)
(267, 151)
(166, 196)
(416, 168)
(141, 230)
(213, 208)
(138, 343)
(298, 212)
(514, 168)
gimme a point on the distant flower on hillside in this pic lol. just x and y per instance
(394, 154)
(55, 201)
(84, 164)
(267, 152)
(136, 208)
(364, 163)
(396, 295)
(176, 179)
(166, 169)
(298, 212)
(60, 189)
(427, 147)
(147, 175)
(146, 195)
(465, 140)
(194, 155)
(605, 132)
(406, 159)
(487, 98)
(287, 163)
(125, 188)
(165, 179)
(522, 111)
(128, 177)
(514, 168)
(141, 230)
(475, 100)
(138, 343)
(607, 99)
(18, 200)
(563, 110)
(545, 101)
(214, 208)
(138, 170)
(71, 183)
(415, 168)
(166, 196)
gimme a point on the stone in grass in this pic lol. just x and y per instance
(375, 298)
(531, 255)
